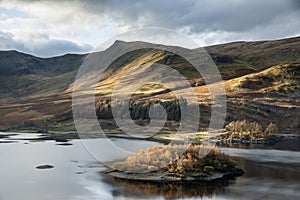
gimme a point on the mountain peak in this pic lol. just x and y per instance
(118, 43)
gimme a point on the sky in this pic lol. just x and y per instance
(55, 27)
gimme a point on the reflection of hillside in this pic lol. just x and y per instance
(176, 190)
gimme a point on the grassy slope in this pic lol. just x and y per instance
(266, 96)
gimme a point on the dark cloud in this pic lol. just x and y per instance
(42, 48)
(199, 16)
(296, 4)
(204, 15)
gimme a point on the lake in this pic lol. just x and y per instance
(271, 172)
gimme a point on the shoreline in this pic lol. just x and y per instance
(164, 138)
(160, 178)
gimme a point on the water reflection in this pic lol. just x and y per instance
(172, 190)
(292, 144)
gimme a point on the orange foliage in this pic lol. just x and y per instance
(175, 159)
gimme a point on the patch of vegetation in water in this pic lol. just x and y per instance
(177, 163)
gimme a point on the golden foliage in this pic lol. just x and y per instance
(250, 130)
(177, 159)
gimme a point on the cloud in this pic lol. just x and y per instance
(93, 21)
(199, 16)
(45, 47)
(205, 15)
(53, 47)
(7, 42)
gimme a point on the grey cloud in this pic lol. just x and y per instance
(59, 47)
(7, 41)
(43, 48)
(271, 18)
(199, 16)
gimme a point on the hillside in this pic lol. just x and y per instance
(261, 79)
(26, 76)
(262, 54)
(271, 95)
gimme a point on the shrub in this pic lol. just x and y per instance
(209, 169)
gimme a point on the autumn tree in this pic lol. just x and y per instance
(271, 129)
(244, 127)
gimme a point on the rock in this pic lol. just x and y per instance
(61, 140)
(65, 144)
(45, 167)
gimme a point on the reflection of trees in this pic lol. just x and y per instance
(176, 190)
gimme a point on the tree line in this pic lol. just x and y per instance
(253, 129)
(139, 110)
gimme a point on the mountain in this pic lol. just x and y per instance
(261, 54)
(25, 76)
(261, 79)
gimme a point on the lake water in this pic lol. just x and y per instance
(271, 172)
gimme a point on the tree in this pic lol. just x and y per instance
(243, 127)
(258, 129)
(271, 129)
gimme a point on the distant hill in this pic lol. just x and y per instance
(261, 78)
(23, 75)
(262, 54)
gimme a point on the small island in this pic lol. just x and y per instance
(176, 163)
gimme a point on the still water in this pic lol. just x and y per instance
(271, 172)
